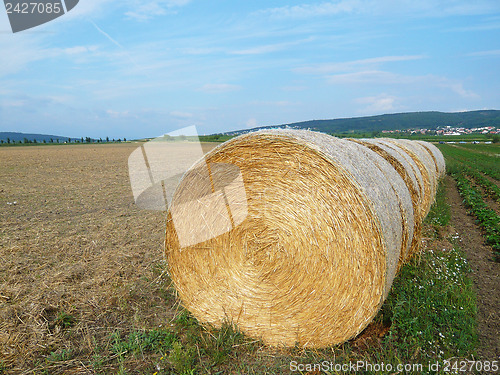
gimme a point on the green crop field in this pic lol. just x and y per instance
(476, 170)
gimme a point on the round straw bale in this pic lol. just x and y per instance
(405, 171)
(416, 168)
(425, 165)
(314, 258)
(426, 158)
(437, 156)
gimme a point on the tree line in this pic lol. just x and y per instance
(61, 140)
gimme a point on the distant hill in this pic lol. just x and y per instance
(402, 121)
(15, 137)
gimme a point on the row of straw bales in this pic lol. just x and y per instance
(327, 224)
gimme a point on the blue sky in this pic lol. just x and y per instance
(136, 69)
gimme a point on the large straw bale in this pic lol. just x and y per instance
(316, 255)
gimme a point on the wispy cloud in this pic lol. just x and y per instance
(426, 8)
(384, 78)
(312, 10)
(457, 88)
(278, 103)
(92, 8)
(181, 115)
(200, 50)
(119, 45)
(268, 48)
(377, 104)
(491, 52)
(13, 103)
(142, 11)
(117, 114)
(371, 77)
(26, 49)
(80, 49)
(468, 8)
(133, 9)
(355, 64)
(111, 39)
(219, 87)
(296, 88)
(480, 27)
(251, 123)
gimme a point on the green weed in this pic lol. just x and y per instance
(182, 358)
(61, 355)
(139, 342)
(65, 320)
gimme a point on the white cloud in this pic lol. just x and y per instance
(132, 8)
(279, 103)
(426, 8)
(492, 52)
(377, 104)
(13, 103)
(219, 87)
(111, 39)
(468, 8)
(251, 123)
(260, 49)
(117, 114)
(351, 65)
(457, 88)
(312, 10)
(269, 48)
(143, 11)
(294, 88)
(200, 50)
(21, 50)
(182, 115)
(79, 49)
(371, 76)
(91, 8)
(383, 78)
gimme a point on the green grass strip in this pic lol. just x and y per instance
(433, 308)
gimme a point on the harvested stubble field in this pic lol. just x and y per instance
(83, 287)
(76, 252)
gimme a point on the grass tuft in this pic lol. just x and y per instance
(183, 358)
(65, 320)
(61, 355)
(140, 342)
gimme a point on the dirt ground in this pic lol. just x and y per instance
(74, 244)
(486, 274)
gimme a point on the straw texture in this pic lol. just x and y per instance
(326, 224)
(425, 165)
(406, 172)
(437, 157)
